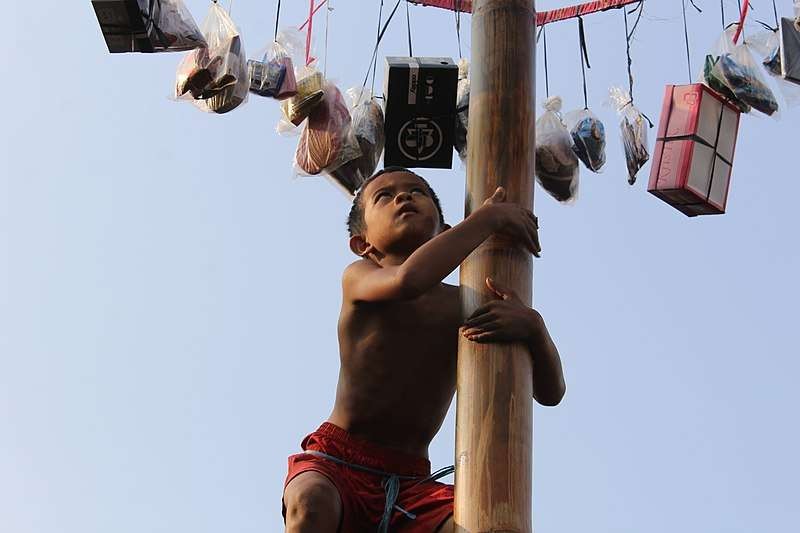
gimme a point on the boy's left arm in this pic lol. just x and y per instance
(508, 319)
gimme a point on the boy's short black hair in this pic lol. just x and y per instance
(355, 220)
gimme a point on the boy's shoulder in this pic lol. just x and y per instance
(358, 268)
(360, 264)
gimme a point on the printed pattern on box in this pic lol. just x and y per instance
(694, 150)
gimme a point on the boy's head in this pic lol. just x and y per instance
(394, 211)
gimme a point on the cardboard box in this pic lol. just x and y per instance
(133, 26)
(125, 26)
(420, 108)
(694, 152)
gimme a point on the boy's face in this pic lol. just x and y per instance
(399, 213)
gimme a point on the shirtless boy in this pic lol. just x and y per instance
(398, 337)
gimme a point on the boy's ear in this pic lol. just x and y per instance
(360, 246)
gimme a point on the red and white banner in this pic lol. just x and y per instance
(543, 17)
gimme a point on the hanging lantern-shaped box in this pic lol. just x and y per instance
(420, 98)
(694, 151)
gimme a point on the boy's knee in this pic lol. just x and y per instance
(312, 499)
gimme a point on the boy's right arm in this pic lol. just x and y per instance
(437, 258)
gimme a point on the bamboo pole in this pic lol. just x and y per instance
(494, 424)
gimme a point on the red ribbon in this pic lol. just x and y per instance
(742, 18)
(312, 10)
(303, 25)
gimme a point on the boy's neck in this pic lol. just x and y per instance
(384, 259)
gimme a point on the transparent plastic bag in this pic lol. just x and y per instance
(174, 26)
(633, 128)
(215, 78)
(462, 107)
(273, 75)
(797, 14)
(328, 142)
(767, 45)
(733, 71)
(557, 168)
(588, 138)
(368, 128)
(147, 26)
(310, 93)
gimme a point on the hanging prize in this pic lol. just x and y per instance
(147, 26)
(215, 78)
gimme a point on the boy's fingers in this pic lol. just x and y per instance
(482, 310)
(530, 241)
(497, 196)
(478, 321)
(488, 336)
(490, 325)
(534, 234)
(500, 290)
(495, 288)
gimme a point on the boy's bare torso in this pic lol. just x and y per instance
(398, 368)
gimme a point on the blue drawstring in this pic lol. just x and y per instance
(390, 484)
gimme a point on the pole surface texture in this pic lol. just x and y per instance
(494, 420)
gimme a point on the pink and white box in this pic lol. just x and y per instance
(694, 151)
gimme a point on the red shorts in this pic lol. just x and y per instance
(362, 494)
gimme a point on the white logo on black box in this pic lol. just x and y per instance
(420, 139)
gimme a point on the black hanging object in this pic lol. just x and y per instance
(420, 99)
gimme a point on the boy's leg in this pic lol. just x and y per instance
(313, 504)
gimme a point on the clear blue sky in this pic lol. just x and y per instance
(169, 294)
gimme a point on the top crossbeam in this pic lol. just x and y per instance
(543, 17)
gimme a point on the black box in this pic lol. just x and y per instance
(125, 25)
(790, 50)
(420, 99)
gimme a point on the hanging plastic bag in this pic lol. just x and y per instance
(215, 78)
(175, 26)
(797, 14)
(767, 45)
(273, 75)
(588, 138)
(296, 106)
(328, 141)
(733, 70)
(310, 93)
(556, 163)
(462, 110)
(368, 128)
(149, 26)
(633, 128)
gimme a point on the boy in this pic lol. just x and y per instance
(367, 467)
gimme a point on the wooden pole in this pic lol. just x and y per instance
(494, 424)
